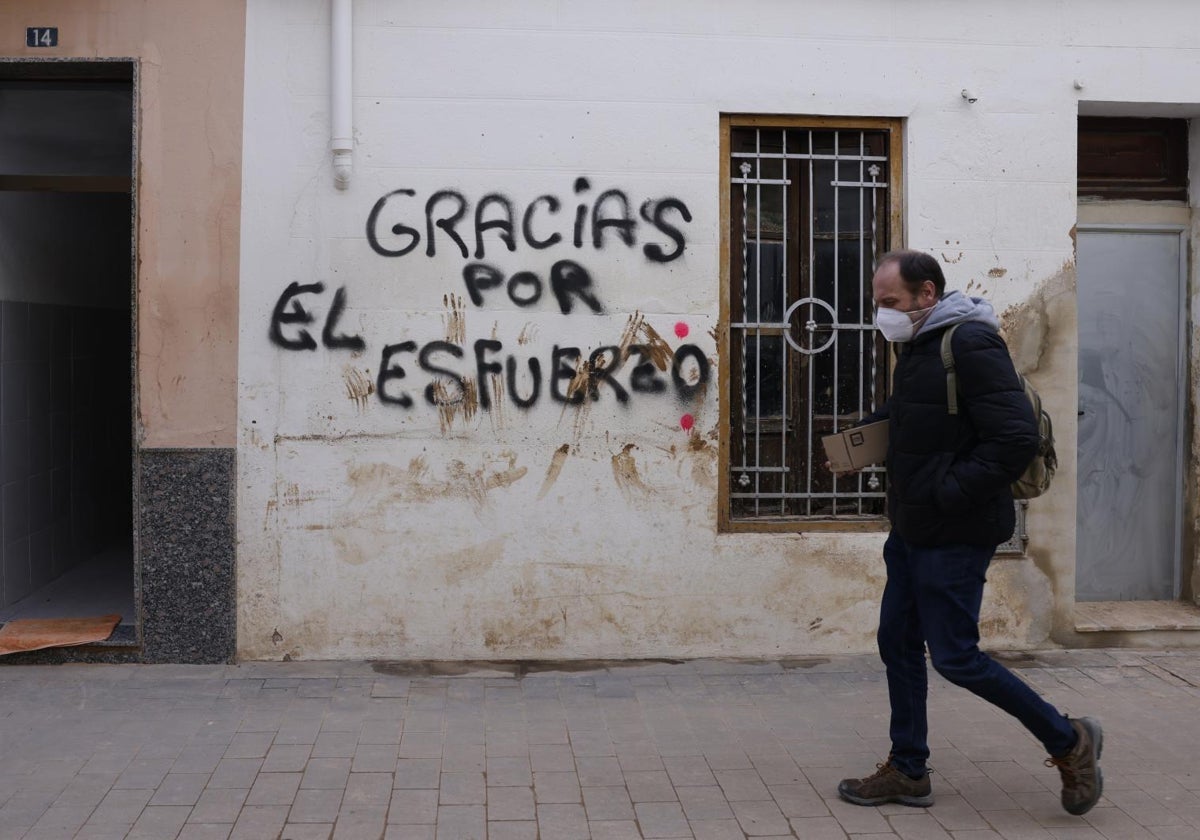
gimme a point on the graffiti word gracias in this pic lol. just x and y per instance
(539, 225)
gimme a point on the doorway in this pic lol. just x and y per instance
(66, 340)
(1131, 285)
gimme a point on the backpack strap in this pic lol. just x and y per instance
(951, 376)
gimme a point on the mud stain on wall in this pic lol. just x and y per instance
(847, 591)
(699, 454)
(691, 625)
(449, 405)
(293, 497)
(312, 632)
(349, 549)
(526, 633)
(1041, 332)
(390, 636)
(659, 352)
(580, 384)
(417, 467)
(497, 414)
(377, 486)
(469, 563)
(625, 471)
(528, 333)
(309, 633)
(629, 335)
(556, 465)
(475, 485)
(583, 388)
(359, 387)
(455, 319)
(704, 460)
(1026, 326)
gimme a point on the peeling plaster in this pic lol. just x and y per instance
(1026, 326)
(1041, 332)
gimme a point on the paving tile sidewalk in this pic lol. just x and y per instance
(705, 749)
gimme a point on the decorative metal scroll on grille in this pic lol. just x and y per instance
(809, 225)
(1019, 541)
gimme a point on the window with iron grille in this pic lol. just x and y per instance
(811, 206)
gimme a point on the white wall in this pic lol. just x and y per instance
(369, 529)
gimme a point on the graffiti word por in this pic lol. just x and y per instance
(568, 280)
(572, 375)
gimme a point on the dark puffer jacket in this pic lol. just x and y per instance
(949, 475)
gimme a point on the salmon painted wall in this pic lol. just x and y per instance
(189, 119)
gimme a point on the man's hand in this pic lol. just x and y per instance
(829, 468)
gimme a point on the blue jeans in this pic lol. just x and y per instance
(932, 598)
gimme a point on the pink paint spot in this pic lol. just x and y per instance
(686, 422)
(681, 329)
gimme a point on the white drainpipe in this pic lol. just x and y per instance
(341, 94)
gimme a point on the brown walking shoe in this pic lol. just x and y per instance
(1082, 781)
(887, 784)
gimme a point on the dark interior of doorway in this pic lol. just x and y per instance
(66, 339)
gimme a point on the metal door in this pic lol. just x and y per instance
(1131, 387)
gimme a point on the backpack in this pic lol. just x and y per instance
(1035, 480)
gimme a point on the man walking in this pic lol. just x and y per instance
(950, 506)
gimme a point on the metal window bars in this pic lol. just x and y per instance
(809, 219)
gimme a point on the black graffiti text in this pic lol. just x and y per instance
(568, 281)
(574, 375)
(290, 312)
(448, 217)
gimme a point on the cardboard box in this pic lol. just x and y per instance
(857, 447)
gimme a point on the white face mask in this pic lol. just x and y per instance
(896, 324)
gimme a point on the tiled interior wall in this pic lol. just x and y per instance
(65, 439)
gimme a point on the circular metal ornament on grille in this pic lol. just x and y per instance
(810, 325)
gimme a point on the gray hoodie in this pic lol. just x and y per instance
(957, 308)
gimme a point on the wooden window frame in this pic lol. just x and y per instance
(1161, 173)
(728, 122)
